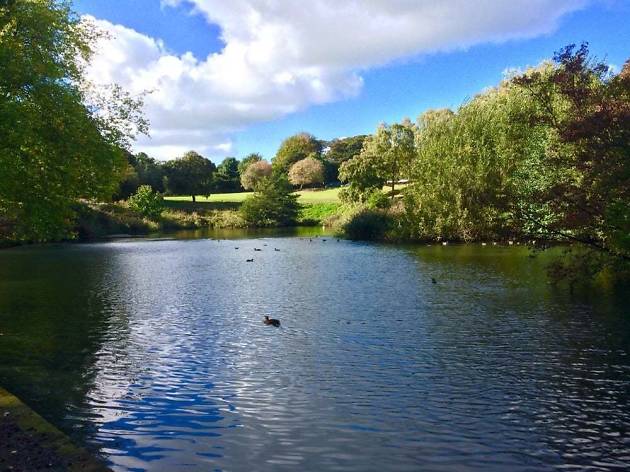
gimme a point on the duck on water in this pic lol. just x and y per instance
(271, 321)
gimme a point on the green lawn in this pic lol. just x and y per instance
(329, 195)
(214, 198)
(307, 197)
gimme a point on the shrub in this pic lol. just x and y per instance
(367, 225)
(147, 202)
(272, 204)
(377, 199)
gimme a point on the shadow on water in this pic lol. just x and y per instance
(54, 317)
(155, 353)
(249, 233)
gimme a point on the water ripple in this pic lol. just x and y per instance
(155, 354)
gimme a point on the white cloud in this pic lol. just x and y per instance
(282, 56)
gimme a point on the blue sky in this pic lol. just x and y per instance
(403, 86)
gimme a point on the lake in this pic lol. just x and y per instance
(154, 354)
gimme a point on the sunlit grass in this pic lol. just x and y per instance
(306, 197)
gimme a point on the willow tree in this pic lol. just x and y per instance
(463, 175)
(60, 139)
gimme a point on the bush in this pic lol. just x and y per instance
(147, 202)
(367, 225)
(100, 220)
(272, 204)
(377, 199)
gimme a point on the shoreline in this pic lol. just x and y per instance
(30, 443)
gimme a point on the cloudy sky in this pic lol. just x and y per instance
(233, 77)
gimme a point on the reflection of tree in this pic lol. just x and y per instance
(55, 317)
(549, 370)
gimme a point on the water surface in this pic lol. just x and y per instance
(154, 354)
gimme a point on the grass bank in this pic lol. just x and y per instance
(100, 220)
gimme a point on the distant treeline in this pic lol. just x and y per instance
(302, 158)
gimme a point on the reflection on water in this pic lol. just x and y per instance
(155, 354)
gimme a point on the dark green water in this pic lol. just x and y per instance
(154, 353)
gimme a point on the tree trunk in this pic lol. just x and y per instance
(194, 198)
(393, 187)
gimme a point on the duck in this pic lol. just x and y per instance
(433, 280)
(271, 321)
(276, 249)
(236, 248)
(249, 260)
(257, 249)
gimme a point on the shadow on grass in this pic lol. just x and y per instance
(201, 206)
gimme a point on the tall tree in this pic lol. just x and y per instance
(150, 171)
(386, 155)
(227, 178)
(586, 111)
(397, 145)
(59, 139)
(191, 174)
(295, 148)
(339, 151)
(343, 149)
(141, 170)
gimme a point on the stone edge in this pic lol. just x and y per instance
(28, 421)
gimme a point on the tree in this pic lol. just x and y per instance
(586, 112)
(130, 180)
(227, 177)
(272, 204)
(339, 151)
(191, 175)
(247, 160)
(150, 171)
(255, 173)
(309, 171)
(141, 170)
(295, 148)
(147, 202)
(343, 149)
(60, 140)
(464, 168)
(387, 155)
(396, 143)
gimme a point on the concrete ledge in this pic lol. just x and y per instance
(29, 443)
